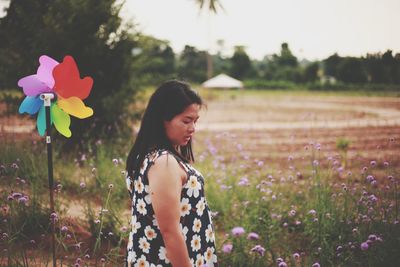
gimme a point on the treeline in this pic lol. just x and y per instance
(159, 61)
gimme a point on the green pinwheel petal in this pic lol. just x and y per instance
(41, 120)
(62, 120)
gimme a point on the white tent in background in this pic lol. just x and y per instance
(222, 81)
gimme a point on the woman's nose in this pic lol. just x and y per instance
(192, 127)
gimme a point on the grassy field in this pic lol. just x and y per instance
(311, 177)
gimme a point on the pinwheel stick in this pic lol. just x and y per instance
(47, 97)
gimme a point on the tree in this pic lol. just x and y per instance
(286, 58)
(211, 5)
(351, 70)
(376, 69)
(90, 31)
(331, 64)
(154, 60)
(241, 64)
(192, 64)
(311, 72)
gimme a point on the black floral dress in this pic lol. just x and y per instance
(146, 246)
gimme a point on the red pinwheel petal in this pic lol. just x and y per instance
(68, 82)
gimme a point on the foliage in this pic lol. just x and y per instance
(266, 84)
(351, 70)
(211, 5)
(154, 61)
(192, 64)
(240, 63)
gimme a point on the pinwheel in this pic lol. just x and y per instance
(63, 80)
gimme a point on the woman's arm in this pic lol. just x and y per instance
(165, 182)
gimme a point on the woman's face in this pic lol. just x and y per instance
(181, 128)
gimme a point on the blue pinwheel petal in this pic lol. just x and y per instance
(41, 120)
(30, 105)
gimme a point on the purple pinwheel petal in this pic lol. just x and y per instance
(30, 105)
(45, 70)
(33, 86)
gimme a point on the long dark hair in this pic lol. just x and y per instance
(169, 100)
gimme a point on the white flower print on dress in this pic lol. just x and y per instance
(142, 262)
(135, 224)
(193, 187)
(139, 186)
(153, 265)
(155, 223)
(141, 207)
(131, 256)
(147, 198)
(196, 242)
(210, 234)
(185, 207)
(130, 241)
(150, 233)
(162, 254)
(184, 231)
(210, 257)
(129, 184)
(199, 260)
(196, 225)
(134, 200)
(144, 165)
(200, 206)
(144, 245)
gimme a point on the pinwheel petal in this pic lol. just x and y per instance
(45, 70)
(75, 107)
(62, 120)
(30, 105)
(33, 86)
(41, 121)
(68, 82)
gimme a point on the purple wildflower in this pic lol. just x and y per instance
(243, 181)
(253, 236)
(364, 246)
(227, 248)
(386, 164)
(237, 231)
(259, 249)
(296, 256)
(54, 217)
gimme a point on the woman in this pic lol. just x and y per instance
(171, 222)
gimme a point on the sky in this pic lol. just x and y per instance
(314, 29)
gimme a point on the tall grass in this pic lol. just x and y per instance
(313, 211)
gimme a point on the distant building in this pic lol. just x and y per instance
(222, 81)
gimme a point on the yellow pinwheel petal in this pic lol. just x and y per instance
(75, 107)
(61, 120)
